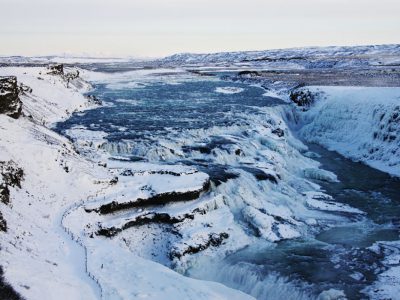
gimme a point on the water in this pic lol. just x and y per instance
(180, 118)
(153, 109)
(335, 258)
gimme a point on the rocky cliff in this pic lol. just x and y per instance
(10, 104)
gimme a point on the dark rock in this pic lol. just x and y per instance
(93, 99)
(158, 199)
(260, 174)
(56, 69)
(6, 290)
(302, 98)
(239, 152)
(4, 193)
(249, 74)
(10, 175)
(114, 180)
(214, 239)
(10, 103)
(279, 132)
(147, 218)
(3, 223)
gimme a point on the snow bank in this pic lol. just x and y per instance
(362, 123)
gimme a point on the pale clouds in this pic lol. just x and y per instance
(160, 27)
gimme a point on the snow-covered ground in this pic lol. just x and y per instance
(89, 226)
(362, 123)
(40, 257)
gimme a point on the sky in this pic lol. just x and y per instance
(153, 28)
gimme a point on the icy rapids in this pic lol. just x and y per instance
(261, 211)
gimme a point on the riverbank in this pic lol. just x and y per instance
(39, 258)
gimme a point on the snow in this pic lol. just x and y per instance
(319, 174)
(332, 294)
(33, 217)
(362, 123)
(126, 276)
(62, 191)
(229, 90)
(317, 57)
(50, 101)
(387, 285)
(322, 201)
(42, 258)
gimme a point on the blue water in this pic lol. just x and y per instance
(160, 113)
(159, 109)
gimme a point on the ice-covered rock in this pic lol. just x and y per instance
(358, 122)
(320, 174)
(332, 294)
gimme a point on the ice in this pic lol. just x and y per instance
(387, 285)
(362, 123)
(58, 181)
(273, 196)
(229, 90)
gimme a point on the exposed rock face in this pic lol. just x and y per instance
(143, 219)
(3, 223)
(158, 199)
(10, 104)
(213, 239)
(56, 69)
(10, 176)
(6, 290)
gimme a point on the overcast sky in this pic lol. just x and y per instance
(162, 27)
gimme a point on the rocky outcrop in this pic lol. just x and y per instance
(10, 103)
(214, 240)
(249, 74)
(10, 176)
(158, 199)
(146, 218)
(56, 69)
(3, 223)
(94, 100)
(6, 290)
(302, 97)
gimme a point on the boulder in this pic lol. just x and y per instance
(10, 103)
